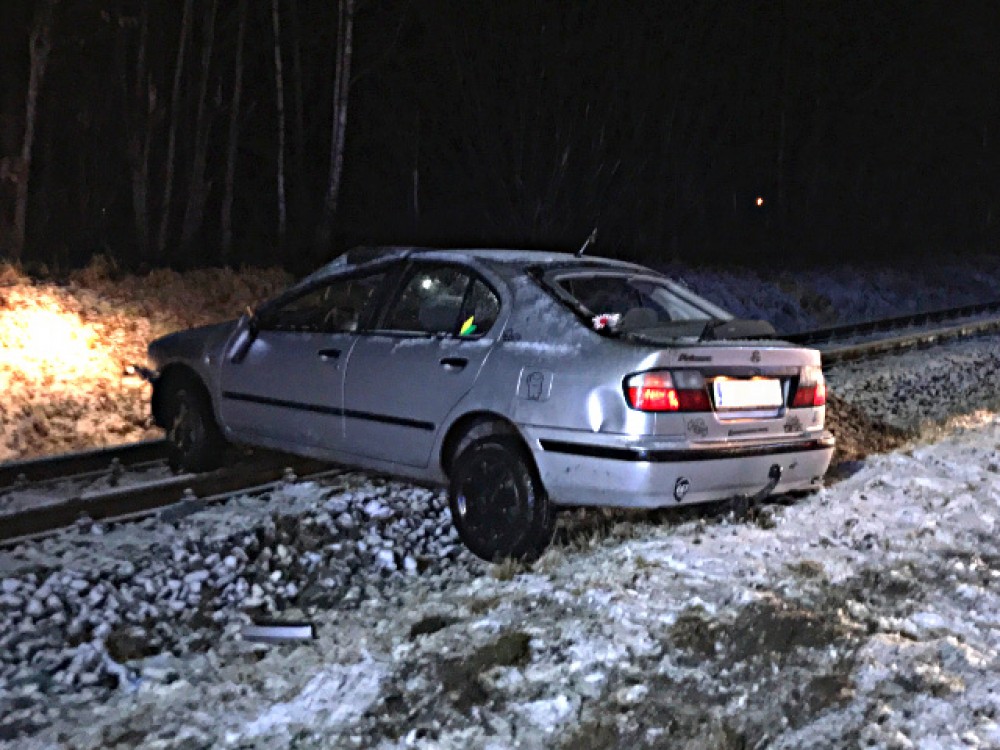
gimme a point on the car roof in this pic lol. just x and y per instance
(363, 255)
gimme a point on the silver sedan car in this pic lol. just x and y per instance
(522, 380)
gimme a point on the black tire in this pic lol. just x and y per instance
(498, 504)
(196, 443)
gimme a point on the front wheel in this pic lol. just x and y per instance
(498, 504)
(196, 443)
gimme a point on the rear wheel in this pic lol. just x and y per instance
(196, 443)
(498, 504)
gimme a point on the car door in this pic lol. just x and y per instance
(284, 386)
(404, 377)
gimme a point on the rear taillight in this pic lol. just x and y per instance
(658, 391)
(811, 390)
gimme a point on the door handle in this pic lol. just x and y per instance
(327, 354)
(454, 363)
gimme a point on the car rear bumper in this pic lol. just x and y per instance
(576, 471)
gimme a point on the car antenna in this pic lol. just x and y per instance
(587, 243)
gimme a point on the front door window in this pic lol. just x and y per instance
(340, 306)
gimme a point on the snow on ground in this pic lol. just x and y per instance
(73, 606)
(863, 615)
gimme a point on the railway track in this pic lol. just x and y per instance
(177, 495)
(934, 317)
(173, 497)
(82, 463)
(859, 340)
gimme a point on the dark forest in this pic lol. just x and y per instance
(193, 132)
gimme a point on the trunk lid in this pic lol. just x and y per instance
(750, 391)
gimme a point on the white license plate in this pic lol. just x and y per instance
(762, 393)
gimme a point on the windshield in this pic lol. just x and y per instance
(629, 302)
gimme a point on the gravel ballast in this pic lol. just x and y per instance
(863, 615)
(75, 608)
(921, 388)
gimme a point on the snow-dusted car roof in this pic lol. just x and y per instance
(502, 255)
(360, 256)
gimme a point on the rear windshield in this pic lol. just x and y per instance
(629, 302)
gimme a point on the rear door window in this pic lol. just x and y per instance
(444, 300)
(480, 311)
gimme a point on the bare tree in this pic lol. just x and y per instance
(299, 181)
(234, 133)
(279, 95)
(39, 47)
(175, 102)
(416, 170)
(194, 211)
(341, 89)
(140, 125)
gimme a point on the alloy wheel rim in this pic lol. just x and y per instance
(491, 504)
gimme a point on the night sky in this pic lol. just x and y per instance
(867, 130)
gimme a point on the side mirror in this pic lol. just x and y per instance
(253, 329)
(252, 321)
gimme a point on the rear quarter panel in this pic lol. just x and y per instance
(548, 370)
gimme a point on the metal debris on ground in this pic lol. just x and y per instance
(279, 632)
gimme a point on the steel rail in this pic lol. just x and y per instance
(193, 491)
(839, 354)
(68, 465)
(864, 328)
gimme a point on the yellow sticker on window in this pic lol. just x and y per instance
(468, 327)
